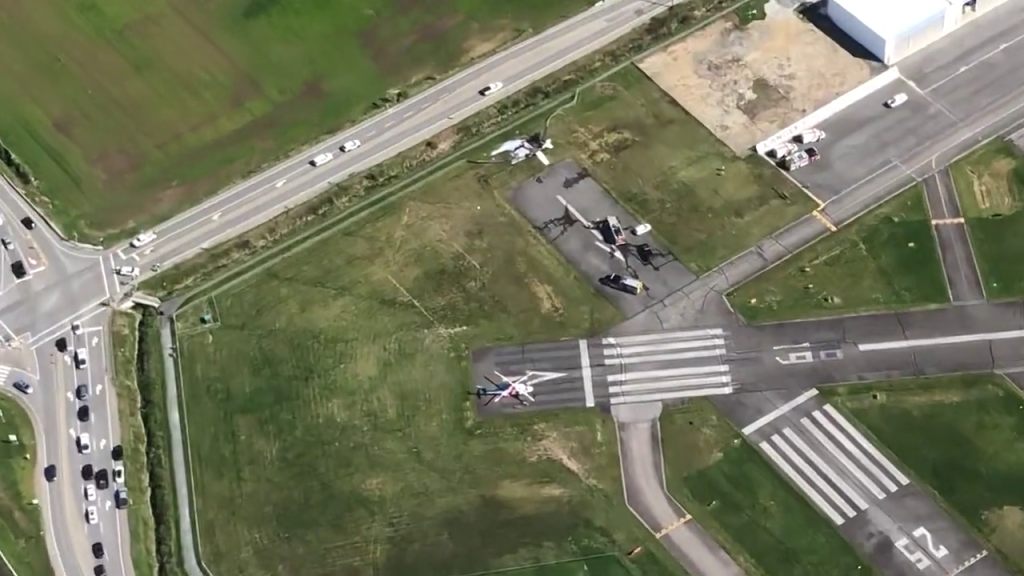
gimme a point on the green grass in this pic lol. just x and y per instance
(990, 186)
(884, 260)
(960, 435)
(330, 427)
(662, 163)
(133, 440)
(608, 565)
(21, 529)
(126, 110)
(737, 497)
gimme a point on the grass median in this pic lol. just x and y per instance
(22, 541)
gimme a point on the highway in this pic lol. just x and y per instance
(66, 283)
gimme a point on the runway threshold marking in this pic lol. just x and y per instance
(673, 526)
(940, 221)
(970, 562)
(828, 223)
(760, 422)
(588, 379)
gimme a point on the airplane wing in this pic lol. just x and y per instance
(543, 159)
(611, 250)
(509, 146)
(579, 217)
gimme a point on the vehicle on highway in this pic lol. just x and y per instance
(87, 473)
(28, 223)
(23, 387)
(84, 414)
(7, 242)
(90, 515)
(117, 453)
(127, 271)
(62, 344)
(121, 498)
(76, 328)
(810, 136)
(99, 570)
(118, 474)
(896, 100)
(50, 473)
(321, 159)
(19, 270)
(81, 358)
(142, 239)
(623, 284)
(90, 492)
(84, 445)
(102, 480)
(491, 88)
(97, 551)
(351, 145)
(800, 159)
(82, 391)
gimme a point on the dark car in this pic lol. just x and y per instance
(87, 472)
(7, 242)
(117, 453)
(28, 223)
(121, 498)
(97, 551)
(82, 392)
(62, 344)
(18, 267)
(812, 154)
(102, 479)
(99, 570)
(23, 387)
(50, 473)
(84, 415)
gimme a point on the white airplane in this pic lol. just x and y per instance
(522, 148)
(518, 388)
(594, 225)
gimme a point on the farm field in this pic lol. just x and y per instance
(127, 110)
(884, 260)
(960, 435)
(706, 203)
(21, 528)
(737, 497)
(990, 186)
(337, 435)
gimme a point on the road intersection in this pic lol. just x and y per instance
(68, 282)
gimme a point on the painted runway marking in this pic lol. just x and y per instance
(588, 380)
(801, 483)
(915, 343)
(824, 220)
(941, 221)
(673, 526)
(970, 562)
(4, 371)
(760, 422)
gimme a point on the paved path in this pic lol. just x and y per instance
(952, 240)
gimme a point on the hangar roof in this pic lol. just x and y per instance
(892, 18)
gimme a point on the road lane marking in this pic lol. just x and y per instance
(802, 484)
(214, 217)
(821, 217)
(280, 183)
(918, 342)
(753, 426)
(673, 526)
(841, 457)
(588, 380)
(853, 450)
(812, 474)
(856, 435)
(831, 474)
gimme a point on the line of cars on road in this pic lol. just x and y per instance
(18, 267)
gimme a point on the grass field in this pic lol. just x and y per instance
(736, 495)
(885, 260)
(990, 186)
(126, 110)
(609, 565)
(331, 428)
(21, 538)
(961, 435)
(663, 164)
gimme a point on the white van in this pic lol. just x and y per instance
(81, 358)
(321, 159)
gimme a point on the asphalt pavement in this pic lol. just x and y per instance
(963, 279)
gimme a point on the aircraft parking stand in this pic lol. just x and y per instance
(602, 372)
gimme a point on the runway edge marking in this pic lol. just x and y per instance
(760, 422)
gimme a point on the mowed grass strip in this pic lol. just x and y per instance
(735, 494)
(21, 528)
(990, 185)
(960, 435)
(884, 260)
(128, 110)
(608, 565)
(331, 430)
(706, 203)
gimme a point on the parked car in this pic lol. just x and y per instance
(23, 387)
(28, 223)
(896, 100)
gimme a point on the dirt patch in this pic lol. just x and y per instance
(482, 43)
(116, 166)
(64, 125)
(549, 302)
(597, 145)
(1006, 528)
(991, 187)
(746, 83)
(554, 447)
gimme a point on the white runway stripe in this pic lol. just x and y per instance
(588, 377)
(801, 483)
(714, 352)
(670, 395)
(813, 475)
(856, 452)
(756, 424)
(669, 373)
(839, 455)
(4, 371)
(684, 345)
(867, 445)
(663, 384)
(826, 470)
(664, 336)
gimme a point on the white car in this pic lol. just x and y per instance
(321, 159)
(128, 271)
(896, 100)
(119, 473)
(351, 145)
(90, 515)
(81, 358)
(84, 445)
(76, 328)
(491, 88)
(142, 239)
(90, 492)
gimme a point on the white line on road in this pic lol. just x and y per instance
(856, 452)
(588, 380)
(632, 399)
(801, 483)
(280, 183)
(681, 345)
(852, 494)
(812, 474)
(663, 336)
(663, 357)
(670, 373)
(856, 435)
(839, 455)
(664, 384)
(753, 426)
(915, 343)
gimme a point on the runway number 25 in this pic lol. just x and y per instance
(918, 557)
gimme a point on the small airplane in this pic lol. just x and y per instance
(518, 388)
(519, 149)
(607, 231)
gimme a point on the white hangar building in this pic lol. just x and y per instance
(894, 29)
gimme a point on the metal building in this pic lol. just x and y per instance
(894, 29)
